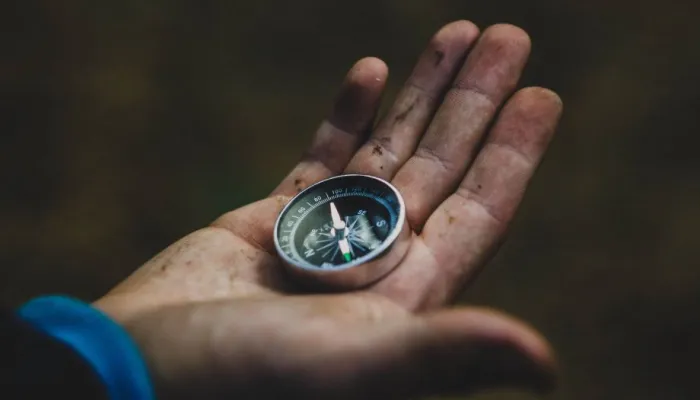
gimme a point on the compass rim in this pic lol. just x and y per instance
(375, 254)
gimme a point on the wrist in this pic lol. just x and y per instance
(95, 337)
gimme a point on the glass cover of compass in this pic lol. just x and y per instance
(339, 223)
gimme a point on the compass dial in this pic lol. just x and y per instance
(339, 223)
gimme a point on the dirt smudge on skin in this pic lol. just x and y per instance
(281, 201)
(439, 56)
(377, 150)
(299, 184)
(402, 116)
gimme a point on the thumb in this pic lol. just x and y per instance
(458, 352)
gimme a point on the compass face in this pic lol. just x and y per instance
(339, 223)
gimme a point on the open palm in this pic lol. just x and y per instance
(460, 146)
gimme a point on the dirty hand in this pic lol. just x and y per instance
(216, 316)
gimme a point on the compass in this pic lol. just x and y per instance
(344, 232)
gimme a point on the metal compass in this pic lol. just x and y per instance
(344, 232)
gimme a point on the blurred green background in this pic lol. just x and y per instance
(125, 125)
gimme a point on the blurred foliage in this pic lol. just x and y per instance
(125, 125)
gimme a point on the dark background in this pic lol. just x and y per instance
(126, 124)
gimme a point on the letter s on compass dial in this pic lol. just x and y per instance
(344, 232)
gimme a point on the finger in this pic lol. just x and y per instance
(397, 134)
(341, 133)
(490, 74)
(457, 352)
(465, 231)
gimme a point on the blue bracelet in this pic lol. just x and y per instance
(99, 340)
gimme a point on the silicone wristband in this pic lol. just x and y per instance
(103, 343)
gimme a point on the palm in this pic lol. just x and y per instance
(461, 181)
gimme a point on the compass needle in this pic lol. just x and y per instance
(335, 216)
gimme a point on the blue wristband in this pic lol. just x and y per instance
(100, 341)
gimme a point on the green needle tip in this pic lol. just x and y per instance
(347, 257)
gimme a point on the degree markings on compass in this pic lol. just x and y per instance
(381, 200)
(309, 204)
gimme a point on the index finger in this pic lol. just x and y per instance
(340, 135)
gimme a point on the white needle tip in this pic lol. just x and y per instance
(338, 223)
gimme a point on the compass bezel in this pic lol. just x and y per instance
(386, 243)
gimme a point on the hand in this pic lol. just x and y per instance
(215, 314)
